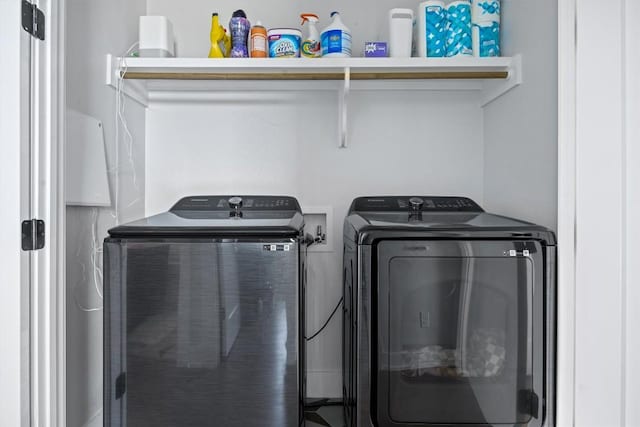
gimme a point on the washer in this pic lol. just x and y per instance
(449, 315)
(202, 315)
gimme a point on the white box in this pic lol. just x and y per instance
(156, 37)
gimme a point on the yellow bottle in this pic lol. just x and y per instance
(218, 36)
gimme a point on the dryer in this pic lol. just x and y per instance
(449, 315)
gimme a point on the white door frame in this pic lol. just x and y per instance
(48, 396)
(566, 286)
(48, 370)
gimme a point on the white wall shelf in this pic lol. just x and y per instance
(148, 80)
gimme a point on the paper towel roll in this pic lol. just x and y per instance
(431, 28)
(459, 28)
(485, 21)
(485, 11)
(486, 39)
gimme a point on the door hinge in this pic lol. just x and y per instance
(121, 385)
(32, 234)
(32, 20)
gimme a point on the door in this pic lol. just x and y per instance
(201, 333)
(31, 348)
(459, 333)
(15, 198)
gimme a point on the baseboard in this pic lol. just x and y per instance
(324, 384)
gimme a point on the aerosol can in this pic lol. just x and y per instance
(310, 47)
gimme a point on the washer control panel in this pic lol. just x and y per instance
(415, 204)
(233, 202)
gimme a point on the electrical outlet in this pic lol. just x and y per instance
(318, 222)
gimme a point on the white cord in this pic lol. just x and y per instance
(96, 247)
(120, 119)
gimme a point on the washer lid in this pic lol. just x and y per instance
(372, 218)
(227, 216)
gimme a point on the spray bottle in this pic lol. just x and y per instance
(336, 38)
(310, 47)
(219, 39)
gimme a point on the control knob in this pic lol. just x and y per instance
(235, 203)
(416, 203)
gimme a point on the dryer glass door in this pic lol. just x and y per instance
(458, 333)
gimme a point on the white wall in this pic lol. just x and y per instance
(520, 128)
(93, 29)
(607, 379)
(400, 143)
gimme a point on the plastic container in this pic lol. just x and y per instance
(284, 42)
(336, 38)
(239, 27)
(258, 41)
(219, 38)
(431, 29)
(400, 32)
(310, 47)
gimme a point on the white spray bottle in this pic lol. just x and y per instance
(310, 47)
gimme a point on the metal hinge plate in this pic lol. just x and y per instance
(32, 234)
(32, 20)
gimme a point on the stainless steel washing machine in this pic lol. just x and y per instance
(202, 315)
(449, 315)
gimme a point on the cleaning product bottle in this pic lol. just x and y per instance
(218, 34)
(336, 38)
(311, 44)
(258, 41)
(239, 27)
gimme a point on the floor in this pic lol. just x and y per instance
(325, 416)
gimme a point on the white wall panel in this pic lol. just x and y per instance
(600, 226)
(520, 128)
(399, 143)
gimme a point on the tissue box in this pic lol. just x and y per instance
(156, 37)
(375, 49)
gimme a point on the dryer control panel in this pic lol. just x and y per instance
(244, 203)
(415, 204)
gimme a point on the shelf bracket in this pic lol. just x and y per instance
(342, 110)
(494, 89)
(133, 89)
